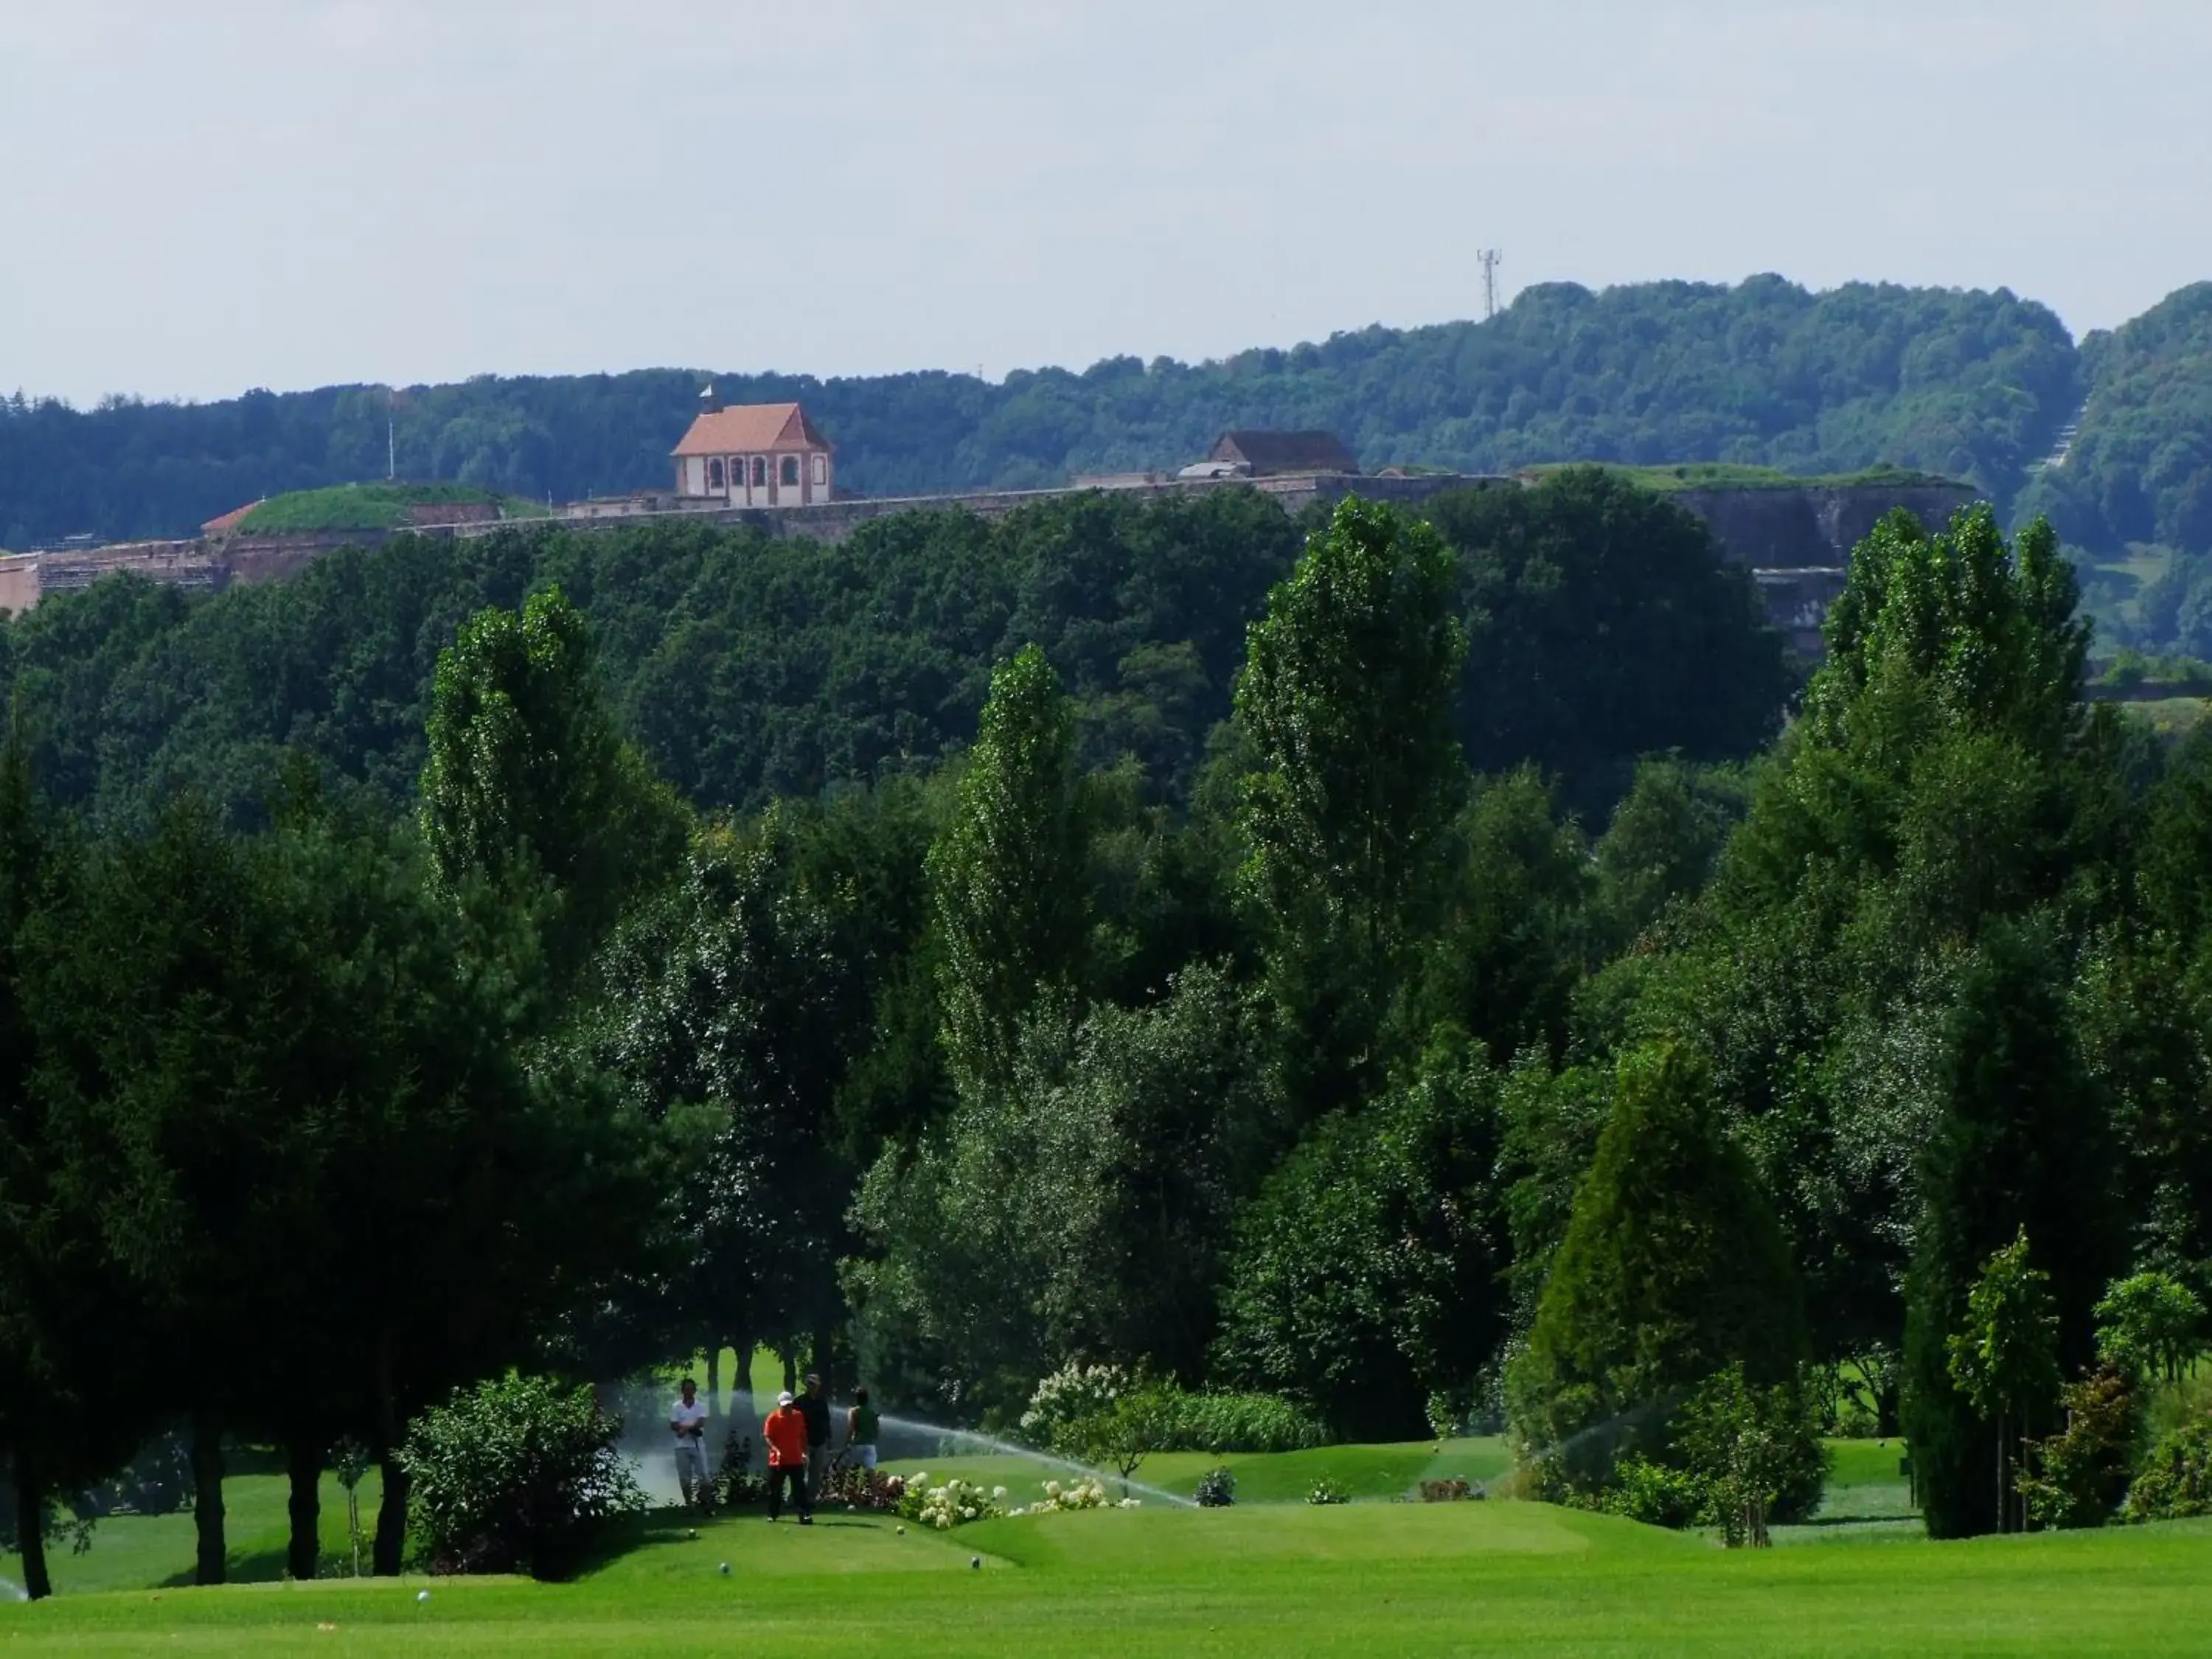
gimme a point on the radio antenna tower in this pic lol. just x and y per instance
(1489, 257)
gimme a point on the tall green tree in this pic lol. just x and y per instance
(167, 1043)
(1366, 1275)
(1081, 1212)
(297, 1075)
(729, 1017)
(1604, 625)
(1946, 780)
(1508, 939)
(529, 788)
(2021, 1142)
(67, 1318)
(1345, 701)
(450, 1149)
(1008, 874)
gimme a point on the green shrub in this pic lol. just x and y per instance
(2175, 1481)
(2077, 1478)
(1656, 1495)
(1072, 1407)
(1236, 1423)
(735, 1485)
(1217, 1490)
(1326, 1490)
(516, 1475)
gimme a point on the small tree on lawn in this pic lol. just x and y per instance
(1751, 1447)
(2006, 1359)
(1122, 1435)
(2151, 1326)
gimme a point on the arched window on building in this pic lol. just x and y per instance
(791, 471)
(821, 470)
(714, 475)
(760, 472)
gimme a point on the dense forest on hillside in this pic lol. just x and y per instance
(749, 668)
(2141, 467)
(1972, 384)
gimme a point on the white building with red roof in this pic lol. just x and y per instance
(754, 455)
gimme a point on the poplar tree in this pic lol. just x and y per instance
(1346, 703)
(530, 790)
(1008, 875)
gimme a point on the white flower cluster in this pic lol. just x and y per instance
(1072, 1392)
(1085, 1494)
(950, 1503)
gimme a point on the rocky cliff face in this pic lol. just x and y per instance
(1808, 528)
(1798, 541)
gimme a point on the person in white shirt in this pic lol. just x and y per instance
(688, 1421)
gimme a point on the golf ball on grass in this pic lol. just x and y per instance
(421, 1596)
(901, 1532)
(976, 1561)
(725, 1569)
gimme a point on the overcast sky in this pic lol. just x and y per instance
(195, 200)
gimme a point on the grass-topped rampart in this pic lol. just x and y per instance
(377, 506)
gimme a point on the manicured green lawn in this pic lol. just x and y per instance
(1366, 1579)
(1271, 1576)
(147, 1552)
(1367, 1473)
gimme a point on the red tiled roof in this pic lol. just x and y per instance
(230, 521)
(752, 429)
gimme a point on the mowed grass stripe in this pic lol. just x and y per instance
(1411, 1579)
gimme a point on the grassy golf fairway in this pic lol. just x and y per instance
(1370, 1579)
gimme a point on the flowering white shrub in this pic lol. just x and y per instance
(1085, 1494)
(949, 1503)
(1070, 1393)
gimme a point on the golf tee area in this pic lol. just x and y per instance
(1381, 1574)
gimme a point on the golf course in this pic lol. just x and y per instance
(1270, 1574)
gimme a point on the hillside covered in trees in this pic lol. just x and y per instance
(748, 668)
(1972, 384)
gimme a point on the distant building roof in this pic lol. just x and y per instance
(228, 522)
(1265, 452)
(752, 429)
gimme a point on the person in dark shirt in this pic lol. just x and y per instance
(861, 1424)
(814, 1406)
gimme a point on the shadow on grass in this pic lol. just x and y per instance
(627, 1535)
(251, 1567)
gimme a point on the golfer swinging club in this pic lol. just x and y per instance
(688, 1421)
